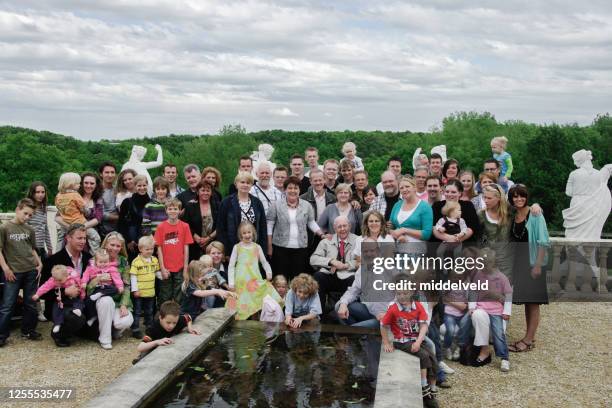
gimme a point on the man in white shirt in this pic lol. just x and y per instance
(170, 174)
(263, 189)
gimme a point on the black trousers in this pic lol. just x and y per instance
(289, 261)
(331, 283)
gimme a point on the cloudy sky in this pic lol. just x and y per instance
(131, 68)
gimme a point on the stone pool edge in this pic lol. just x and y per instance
(398, 382)
(141, 382)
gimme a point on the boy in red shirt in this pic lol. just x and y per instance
(407, 320)
(172, 238)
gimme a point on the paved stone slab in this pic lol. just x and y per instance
(151, 374)
(399, 381)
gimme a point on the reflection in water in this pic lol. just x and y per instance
(262, 365)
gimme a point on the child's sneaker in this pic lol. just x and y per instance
(56, 328)
(41, 317)
(446, 368)
(429, 400)
(448, 354)
(31, 336)
(456, 353)
(96, 296)
(505, 366)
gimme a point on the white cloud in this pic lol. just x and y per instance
(283, 112)
(127, 68)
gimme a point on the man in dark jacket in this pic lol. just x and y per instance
(74, 256)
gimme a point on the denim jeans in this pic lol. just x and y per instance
(28, 282)
(496, 332)
(143, 306)
(359, 316)
(433, 333)
(453, 325)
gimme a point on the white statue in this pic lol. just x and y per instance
(135, 163)
(420, 159)
(591, 201)
(589, 208)
(263, 153)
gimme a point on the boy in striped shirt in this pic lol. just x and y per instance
(144, 269)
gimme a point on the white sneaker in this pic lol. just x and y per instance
(96, 296)
(106, 346)
(56, 328)
(505, 366)
(446, 368)
(41, 317)
(77, 312)
(456, 354)
(448, 354)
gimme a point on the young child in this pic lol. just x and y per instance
(302, 302)
(172, 238)
(452, 224)
(71, 207)
(407, 320)
(212, 279)
(144, 269)
(169, 323)
(197, 290)
(216, 250)
(349, 150)
(21, 266)
(271, 310)
(62, 277)
(99, 267)
(498, 146)
(154, 212)
(245, 277)
(490, 310)
(455, 308)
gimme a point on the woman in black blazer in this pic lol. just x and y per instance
(202, 219)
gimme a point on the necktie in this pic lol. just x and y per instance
(342, 250)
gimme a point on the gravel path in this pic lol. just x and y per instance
(568, 368)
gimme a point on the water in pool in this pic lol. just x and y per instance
(256, 364)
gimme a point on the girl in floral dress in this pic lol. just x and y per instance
(245, 277)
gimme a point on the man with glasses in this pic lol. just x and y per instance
(494, 167)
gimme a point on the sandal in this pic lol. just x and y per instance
(516, 349)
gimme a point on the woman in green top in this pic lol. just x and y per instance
(114, 312)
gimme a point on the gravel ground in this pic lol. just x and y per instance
(568, 367)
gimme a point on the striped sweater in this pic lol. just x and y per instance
(153, 214)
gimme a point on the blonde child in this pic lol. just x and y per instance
(302, 302)
(196, 293)
(212, 279)
(106, 272)
(271, 310)
(407, 320)
(452, 225)
(245, 277)
(61, 277)
(144, 269)
(498, 146)
(71, 208)
(349, 150)
(216, 250)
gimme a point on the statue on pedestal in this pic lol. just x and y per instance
(263, 154)
(135, 163)
(420, 159)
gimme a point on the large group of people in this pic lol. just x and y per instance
(127, 250)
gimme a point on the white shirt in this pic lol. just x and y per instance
(293, 229)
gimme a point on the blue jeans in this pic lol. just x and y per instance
(360, 316)
(496, 332)
(28, 282)
(453, 325)
(142, 306)
(433, 333)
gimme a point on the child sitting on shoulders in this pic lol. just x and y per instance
(453, 226)
(61, 277)
(302, 302)
(71, 208)
(169, 323)
(407, 320)
(143, 271)
(455, 308)
(196, 293)
(349, 150)
(498, 147)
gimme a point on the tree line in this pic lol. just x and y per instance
(541, 153)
